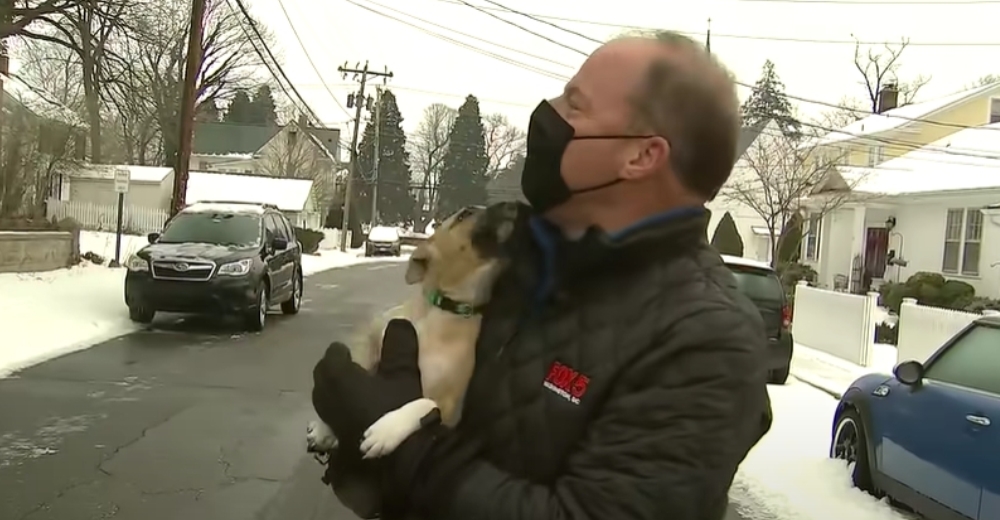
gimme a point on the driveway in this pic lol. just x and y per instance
(185, 421)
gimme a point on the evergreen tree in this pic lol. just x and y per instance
(726, 238)
(207, 112)
(463, 176)
(395, 201)
(239, 109)
(263, 108)
(769, 101)
(790, 241)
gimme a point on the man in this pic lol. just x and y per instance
(620, 374)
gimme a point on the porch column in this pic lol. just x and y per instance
(857, 247)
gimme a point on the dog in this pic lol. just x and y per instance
(455, 269)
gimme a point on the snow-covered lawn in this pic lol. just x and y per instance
(46, 315)
(788, 475)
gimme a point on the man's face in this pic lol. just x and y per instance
(596, 102)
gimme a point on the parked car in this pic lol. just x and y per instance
(383, 240)
(218, 258)
(759, 282)
(924, 437)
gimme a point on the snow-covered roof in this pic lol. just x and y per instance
(966, 160)
(136, 173)
(286, 194)
(230, 156)
(746, 262)
(898, 117)
(223, 207)
(40, 103)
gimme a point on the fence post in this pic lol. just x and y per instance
(868, 331)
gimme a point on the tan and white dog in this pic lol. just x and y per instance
(456, 269)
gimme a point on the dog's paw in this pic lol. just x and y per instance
(387, 433)
(320, 438)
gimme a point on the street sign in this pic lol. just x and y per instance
(122, 176)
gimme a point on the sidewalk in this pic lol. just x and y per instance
(834, 375)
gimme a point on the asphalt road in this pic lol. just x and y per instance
(188, 420)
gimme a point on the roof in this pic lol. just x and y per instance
(286, 194)
(153, 174)
(933, 169)
(223, 207)
(39, 102)
(230, 138)
(746, 262)
(898, 117)
(749, 134)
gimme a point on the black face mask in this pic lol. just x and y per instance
(548, 136)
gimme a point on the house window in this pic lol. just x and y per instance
(811, 237)
(995, 110)
(876, 154)
(963, 236)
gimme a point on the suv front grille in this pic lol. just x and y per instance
(180, 270)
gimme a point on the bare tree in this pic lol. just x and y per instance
(26, 12)
(984, 80)
(149, 95)
(52, 68)
(504, 141)
(848, 111)
(295, 154)
(879, 67)
(427, 149)
(776, 178)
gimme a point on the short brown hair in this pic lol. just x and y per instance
(690, 99)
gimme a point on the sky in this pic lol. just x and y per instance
(429, 70)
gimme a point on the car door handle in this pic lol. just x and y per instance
(978, 420)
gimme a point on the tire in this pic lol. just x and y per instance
(141, 315)
(256, 316)
(779, 376)
(850, 443)
(294, 302)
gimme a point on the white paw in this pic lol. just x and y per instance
(320, 438)
(387, 433)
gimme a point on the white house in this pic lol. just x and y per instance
(751, 226)
(933, 209)
(291, 196)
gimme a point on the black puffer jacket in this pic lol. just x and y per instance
(616, 378)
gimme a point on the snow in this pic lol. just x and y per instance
(789, 476)
(383, 234)
(897, 117)
(286, 194)
(833, 374)
(136, 173)
(221, 207)
(46, 315)
(966, 160)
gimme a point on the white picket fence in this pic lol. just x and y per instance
(923, 330)
(837, 323)
(104, 217)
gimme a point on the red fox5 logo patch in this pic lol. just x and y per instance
(566, 382)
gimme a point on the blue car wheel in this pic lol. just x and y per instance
(850, 444)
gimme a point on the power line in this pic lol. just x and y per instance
(473, 48)
(312, 64)
(789, 39)
(866, 3)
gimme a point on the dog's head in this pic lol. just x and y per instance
(464, 255)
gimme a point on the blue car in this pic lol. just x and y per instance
(925, 437)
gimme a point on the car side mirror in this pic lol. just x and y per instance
(279, 244)
(153, 237)
(909, 372)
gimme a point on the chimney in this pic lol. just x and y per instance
(888, 97)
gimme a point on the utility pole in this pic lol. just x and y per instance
(358, 100)
(188, 95)
(378, 152)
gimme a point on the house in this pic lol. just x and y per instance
(896, 131)
(149, 186)
(934, 209)
(752, 228)
(263, 149)
(293, 197)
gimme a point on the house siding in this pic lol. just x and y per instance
(102, 191)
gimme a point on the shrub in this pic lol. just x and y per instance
(929, 289)
(726, 238)
(886, 334)
(310, 239)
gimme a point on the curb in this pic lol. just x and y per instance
(817, 386)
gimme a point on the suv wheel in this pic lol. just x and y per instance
(256, 316)
(292, 304)
(141, 314)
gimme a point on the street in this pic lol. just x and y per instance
(188, 420)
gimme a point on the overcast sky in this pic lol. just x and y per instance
(428, 69)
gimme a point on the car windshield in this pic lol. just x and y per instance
(758, 284)
(227, 229)
(383, 234)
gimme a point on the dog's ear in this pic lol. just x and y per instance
(419, 260)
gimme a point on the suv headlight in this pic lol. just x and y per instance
(134, 263)
(237, 268)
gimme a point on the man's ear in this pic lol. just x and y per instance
(416, 269)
